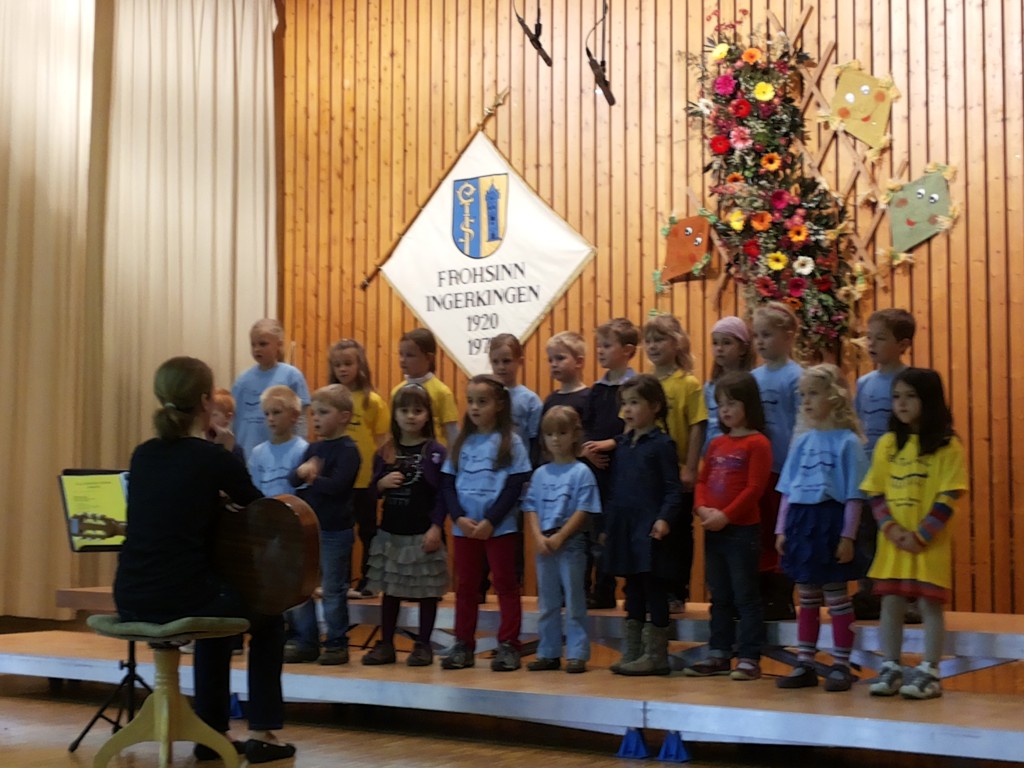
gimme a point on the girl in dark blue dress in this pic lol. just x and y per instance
(644, 500)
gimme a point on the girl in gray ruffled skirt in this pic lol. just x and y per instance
(408, 560)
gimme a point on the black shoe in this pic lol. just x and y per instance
(203, 752)
(598, 601)
(801, 677)
(540, 664)
(257, 751)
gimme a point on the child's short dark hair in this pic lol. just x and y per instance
(647, 388)
(507, 340)
(563, 417)
(425, 342)
(621, 329)
(742, 386)
(899, 321)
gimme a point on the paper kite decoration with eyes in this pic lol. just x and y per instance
(688, 250)
(921, 208)
(862, 104)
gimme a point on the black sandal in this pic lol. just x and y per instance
(257, 751)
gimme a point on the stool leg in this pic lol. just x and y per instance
(166, 717)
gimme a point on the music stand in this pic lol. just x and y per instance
(95, 512)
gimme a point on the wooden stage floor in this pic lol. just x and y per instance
(960, 724)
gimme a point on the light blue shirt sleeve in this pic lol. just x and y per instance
(781, 398)
(873, 403)
(478, 483)
(822, 465)
(713, 429)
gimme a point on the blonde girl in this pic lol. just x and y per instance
(668, 348)
(369, 429)
(917, 477)
(774, 332)
(482, 480)
(818, 519)
(417, 357)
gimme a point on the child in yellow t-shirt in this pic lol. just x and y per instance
(917, 475)
(417, 356)
(668, 348)
(369, 429)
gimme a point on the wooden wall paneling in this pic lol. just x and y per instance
(998, 309)
(978, 298)
(1013, 44)
(376, 97)
(288, 99)
(957, 378)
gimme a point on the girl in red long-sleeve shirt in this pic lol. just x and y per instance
(732, 480)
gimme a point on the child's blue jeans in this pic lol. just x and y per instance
(335, 562)
(561, 572)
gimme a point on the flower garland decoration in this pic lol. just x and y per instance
(785, 232)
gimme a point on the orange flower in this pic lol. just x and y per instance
(734, 178)
(771, 162)
(752, 55)
(794, 304)
(761, 221)
(798, 233)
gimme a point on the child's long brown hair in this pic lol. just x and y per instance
(364, 381)
(411, 395)
(503, 424)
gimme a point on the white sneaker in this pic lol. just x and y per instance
(889, 681)
(923, 683)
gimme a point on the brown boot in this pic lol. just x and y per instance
(632, 644)
(654, 660)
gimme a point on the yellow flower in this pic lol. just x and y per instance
(764, 92)
(719, 52)
(771, 162)
(752, 55)
(777, 261)
(737, 220)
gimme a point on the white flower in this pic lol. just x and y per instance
(705, 106)
(803, 265)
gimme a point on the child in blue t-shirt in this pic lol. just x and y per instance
(818, 519)
(482, 480)
(562, 495)
(890, 334)
(267, 338)
(271, 462)
(775, 327)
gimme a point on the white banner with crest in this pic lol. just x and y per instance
(484, 256)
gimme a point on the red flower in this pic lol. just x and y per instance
(740, 108)
(824, 283)
(720, 144)
(796, 287)
(752, 248)
(766, 287)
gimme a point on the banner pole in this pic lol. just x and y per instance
(498, 101)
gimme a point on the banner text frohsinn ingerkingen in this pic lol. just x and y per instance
(482, 297)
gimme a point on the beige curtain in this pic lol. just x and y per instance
(137, 221)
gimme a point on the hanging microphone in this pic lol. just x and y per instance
(600, 79)
(534, 36)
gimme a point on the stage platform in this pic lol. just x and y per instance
(960, 724)
(969, 725)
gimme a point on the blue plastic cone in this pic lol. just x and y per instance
(235, 712)
(633, 745)
(673, 750)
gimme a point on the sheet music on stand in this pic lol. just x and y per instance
(95, 508)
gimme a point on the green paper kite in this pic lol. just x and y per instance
(920, 209)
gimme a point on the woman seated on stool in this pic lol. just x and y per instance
(165, 570)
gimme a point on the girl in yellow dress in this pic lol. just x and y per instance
(917, 475)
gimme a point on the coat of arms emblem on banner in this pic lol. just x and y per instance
(479, 207)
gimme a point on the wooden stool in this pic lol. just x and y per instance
(166, 715)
